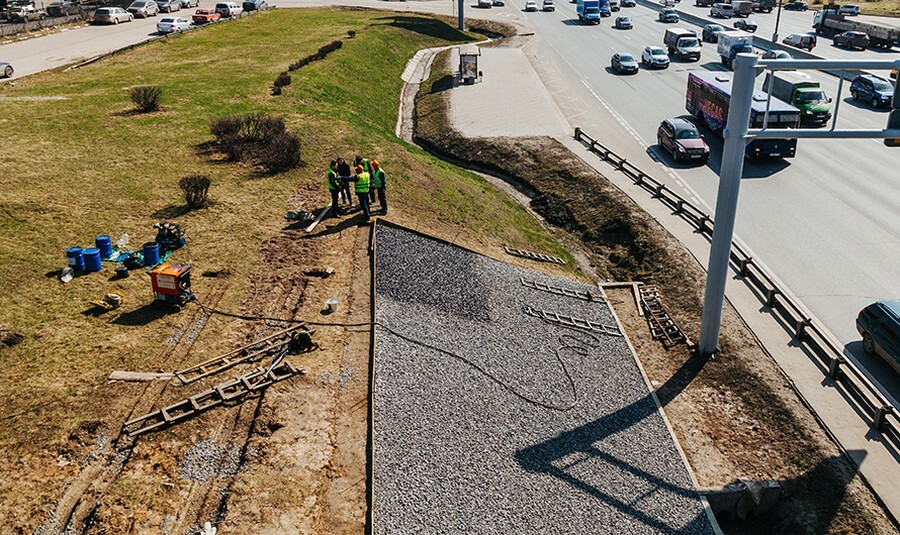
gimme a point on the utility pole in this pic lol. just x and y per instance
(735, 135)
(462, 23)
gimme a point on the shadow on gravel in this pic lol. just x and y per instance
(427, 26)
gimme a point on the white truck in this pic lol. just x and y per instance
(682, 43)
(732, 43)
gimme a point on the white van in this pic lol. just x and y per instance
(228, 9)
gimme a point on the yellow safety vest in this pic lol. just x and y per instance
(362, 183)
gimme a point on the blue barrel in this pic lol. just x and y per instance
(151, 254)
(75, 258)
(92, 260)
(104, 243)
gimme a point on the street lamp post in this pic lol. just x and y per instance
(777, 20)
(462, 23)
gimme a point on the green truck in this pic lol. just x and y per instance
(801, 91)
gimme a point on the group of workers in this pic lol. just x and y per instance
(367, 177)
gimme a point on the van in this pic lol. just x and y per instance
(228, 9)
(722, 11)
(614, 5)
(879, 325)
(801, 40)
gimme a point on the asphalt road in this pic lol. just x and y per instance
(826, 222)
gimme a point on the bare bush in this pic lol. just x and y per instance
(259, 138)
(196, 190)
(227, 131)
(320, 54)
(282, 80)
(146, 97)
(280, 153)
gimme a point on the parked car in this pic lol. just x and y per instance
(796, 6)
(144, 8)
(682, 139)
(62, 9)
(849, 9)
(255, 5)
(6, 69)
(623, 23)
(624, 63)
(173, 25)
(187, 4)
(628, 3)
(25, 13)
(800, 40)
(851, 40)
(498, 3)
(746, 24)
(874, 89)
(112, 15)
(549, 5)
(879, 325)
(485, 4)
(654, 56)
(205, 16)
(531, 5)
(776, 54)
(721, 11)
(168, 6)
(668, 15)
(230, 9)
(711, 33)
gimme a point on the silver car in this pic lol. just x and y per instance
(168, 6)
(173, 25)
(144, 8)
(112, 15)
(6, 70)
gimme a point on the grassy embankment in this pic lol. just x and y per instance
(84, 165)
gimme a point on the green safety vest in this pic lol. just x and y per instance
(378, 180)
(367, 166)
(362, 183)
(332, 179)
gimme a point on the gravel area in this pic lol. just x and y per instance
(483, 433)
(207, 460)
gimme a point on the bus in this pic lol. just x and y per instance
(707, 98)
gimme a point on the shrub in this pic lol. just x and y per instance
(146, 97)
(320, 54)
(227, 131)
(282, 80)
(351, 34)
(195, 188)
(280, 153)
(276, 91)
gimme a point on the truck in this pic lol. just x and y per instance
(682, 43)
(731, 43)
(588, 11)
(763, 6)
(803, 93)
(828, 21)
(741, 8)
(708, 96)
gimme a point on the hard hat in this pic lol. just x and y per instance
(358, 169)
(375, 164)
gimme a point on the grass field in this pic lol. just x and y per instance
(79, 164)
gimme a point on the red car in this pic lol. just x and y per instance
(205, 16)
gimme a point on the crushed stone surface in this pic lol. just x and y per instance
(477, 427)
(207, 460)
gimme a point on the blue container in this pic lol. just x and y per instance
(75, 258)
(151, 254)
(92, 262)
(104, 243)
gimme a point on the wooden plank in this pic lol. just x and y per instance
(316, 222)
(120, 375)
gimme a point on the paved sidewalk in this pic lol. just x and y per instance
(509, 101)
(877, 459)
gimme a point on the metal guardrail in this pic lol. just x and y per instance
(817, 341)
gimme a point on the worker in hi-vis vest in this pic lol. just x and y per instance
(378, 184)
(362, 189)
(367, 167)
(334, 187)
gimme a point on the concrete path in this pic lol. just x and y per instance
(510, 100)
(877, 459)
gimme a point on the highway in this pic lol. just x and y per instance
(826, 222)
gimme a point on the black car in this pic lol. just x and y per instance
(627, 3)
(796, 6)
(62, 9)
(746, 24)
(879, 325)
(255, 5)
(711, 31)
(624, 63)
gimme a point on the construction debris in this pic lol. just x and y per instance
(119, 375)
(571, 322)
(229, 391)
(559, 290)
(662, 327)
(534, 256)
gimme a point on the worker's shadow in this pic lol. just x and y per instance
(143, 315)
(328, 226)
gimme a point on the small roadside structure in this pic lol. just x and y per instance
(468, 64)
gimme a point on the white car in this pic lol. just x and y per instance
(656, 57)
(173, 24)
(849, 9)
(531, 5)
